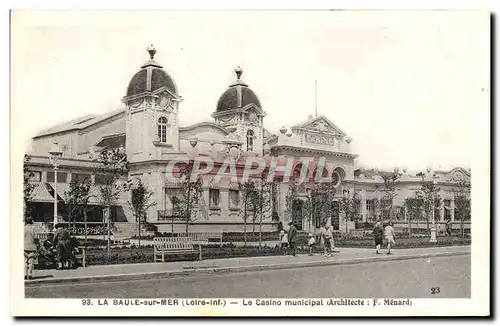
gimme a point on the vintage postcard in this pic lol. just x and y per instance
(250, 163)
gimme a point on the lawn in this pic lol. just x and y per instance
(144, 254)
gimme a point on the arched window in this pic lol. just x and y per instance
(250, 140)
(162, 129)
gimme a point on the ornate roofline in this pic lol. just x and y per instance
(313, 150)
(203, 124)
(302, 125)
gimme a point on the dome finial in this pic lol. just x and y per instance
(152, 51)
(238, 72)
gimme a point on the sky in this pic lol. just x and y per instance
(410, 88)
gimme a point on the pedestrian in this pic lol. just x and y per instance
(284, 242)
(292, 238)
(311, 243)
(378, 235)
(328, 240)
(62, 244)
(389, 236)
(30, 248)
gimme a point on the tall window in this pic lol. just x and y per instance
(213, 195)
(386, 207)
(162, 129)
(80, 177)
(370, 208)
(171, 206)
(447, 209)
(250, 140)
(234, 198)
(357, 207)
(62, 177)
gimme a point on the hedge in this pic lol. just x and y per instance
(144, 254)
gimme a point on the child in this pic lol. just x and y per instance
(312, 242)
(284, 242)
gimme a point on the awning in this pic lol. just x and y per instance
(62, 189)
(94, 193)
(41, 194)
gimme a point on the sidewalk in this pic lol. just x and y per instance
(152, 270)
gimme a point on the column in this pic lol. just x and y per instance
(224, 204)
(452, 209)
(441, 212)
(364, 213)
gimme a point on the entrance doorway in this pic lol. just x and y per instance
(297, 213)
(336, 215)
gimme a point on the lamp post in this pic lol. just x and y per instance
(55, 155)
(191, 155)
(433, 222)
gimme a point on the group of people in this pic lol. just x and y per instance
(381, 233)
(33, 247)
(288, 240)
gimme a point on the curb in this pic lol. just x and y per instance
(232, 269)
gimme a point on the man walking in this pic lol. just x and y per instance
(62, 243)
(292, 237)
(389, 237)
(30, 248)
(328, 239)
(378, 235)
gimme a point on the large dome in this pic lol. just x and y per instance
(237, 96)
(150, 78)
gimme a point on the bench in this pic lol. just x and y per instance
(80, 255)
(173, 245)
(121, 240)
(205, 237)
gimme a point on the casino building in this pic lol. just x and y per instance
(147, 128)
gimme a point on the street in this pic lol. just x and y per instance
(412, 278)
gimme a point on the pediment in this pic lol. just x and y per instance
(319, 125)
(459, 174)
(254, 109)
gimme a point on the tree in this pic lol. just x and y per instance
(461, 193)
(248, 195)
(110, 171)
(429, 194)
(140, 203)
(28, 188)
(391, 180)
(413, 208)
(265, 201)
(186, 204)
(321, 196)
(348, 207)
(77, 199)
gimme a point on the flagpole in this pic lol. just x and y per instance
(316, 98)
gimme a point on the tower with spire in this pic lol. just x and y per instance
(239, 111)
(152, 110)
